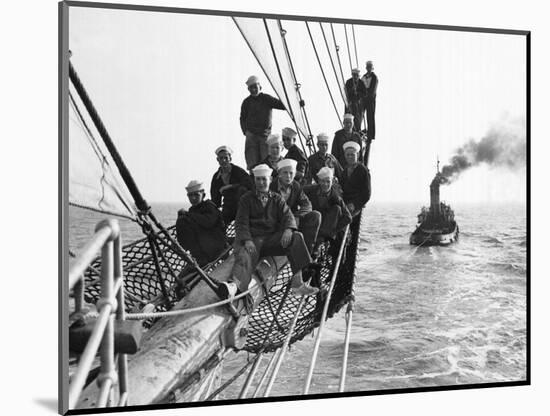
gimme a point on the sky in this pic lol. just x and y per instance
(169, 89)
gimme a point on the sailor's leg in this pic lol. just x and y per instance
(297, 253)
(309, 227)
(330, 222)
(187, 233)
(252, 151)
(370, 104)
(245, 263)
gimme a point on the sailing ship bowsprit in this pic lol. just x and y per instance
(185, 339)
(436, 224)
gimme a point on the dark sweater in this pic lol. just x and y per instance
(298, 202)
(241, 182)
(355, 92)
(253, 220)
(256, 113)
(341, 137)
(356, 187)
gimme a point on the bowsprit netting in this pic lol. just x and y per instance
(142, 287)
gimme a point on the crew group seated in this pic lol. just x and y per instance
(274, 211)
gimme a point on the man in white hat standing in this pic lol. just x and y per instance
(356, 92)
(201, 229)
(265, 226)
(308, 221)
(342, 136)
(327, 200)
(228, 184)
(295, 153)
(256, 115)
(321, 159)
(356, 184)
(370, 79)
(274, 150)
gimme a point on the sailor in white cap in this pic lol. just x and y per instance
(355, 95)
(200, 229)
(356, 183)
(308, 221)
(274, 149)
(322, 158)
(294, 152)
(326, 199)
(265, 226)
(228, 184)
(255, 119)
(342, 136)
(370, 80)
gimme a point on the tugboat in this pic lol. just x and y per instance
(436, 225)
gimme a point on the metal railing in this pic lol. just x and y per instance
(107, 239)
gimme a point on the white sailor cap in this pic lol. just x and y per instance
(287, 163)
(288, 132)
(348, 116)
(262, 170)
(252, 79)
(223, 149)
(355, 71)
(273, 138)
(351, 145)
(322, 138)
(194, 186)
(325, 172)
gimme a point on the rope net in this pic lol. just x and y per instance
(142, 287)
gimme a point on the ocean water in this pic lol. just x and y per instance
(423, 316)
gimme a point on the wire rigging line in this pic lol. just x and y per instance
(337, 48)
(309, 141)
(347, 44)
(355, 45)
(323, 73)
(332, 63)
(280, 75)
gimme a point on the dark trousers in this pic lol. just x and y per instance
(245, 262)
(255, 149)
(370, 107)
(308, 225)
(356, 108)
(332, 222)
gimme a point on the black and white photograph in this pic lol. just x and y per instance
(267, 207)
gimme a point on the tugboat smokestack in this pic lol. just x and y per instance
(434, 195)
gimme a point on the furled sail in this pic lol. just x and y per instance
(94, 180)
(265, 39)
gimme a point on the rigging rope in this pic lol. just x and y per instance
(332, 63)
(280, 76)
(309, 139)
(347, 45)
(355, 46)
(337, 48)
(324, 76)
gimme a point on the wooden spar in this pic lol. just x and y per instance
(175, 348)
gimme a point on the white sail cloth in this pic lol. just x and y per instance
(94, 180)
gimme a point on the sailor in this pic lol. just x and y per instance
(274, 150)
(256, 114)
(294, 152)
(229, 183)
(356, 92)
(321, 159)
(342, 136)
(307, 220)
(265, 226)
(326, 199)
(355, 180)
(201, 229)
(371, 83)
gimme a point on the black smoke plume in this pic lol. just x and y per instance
(503, 146)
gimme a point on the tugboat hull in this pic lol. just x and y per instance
(433, 237)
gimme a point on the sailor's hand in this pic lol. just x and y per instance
(286, 238)
(249, 246)
(225, 188)
(351, 207)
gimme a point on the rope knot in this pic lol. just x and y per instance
(103, 377)
(107, 301)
